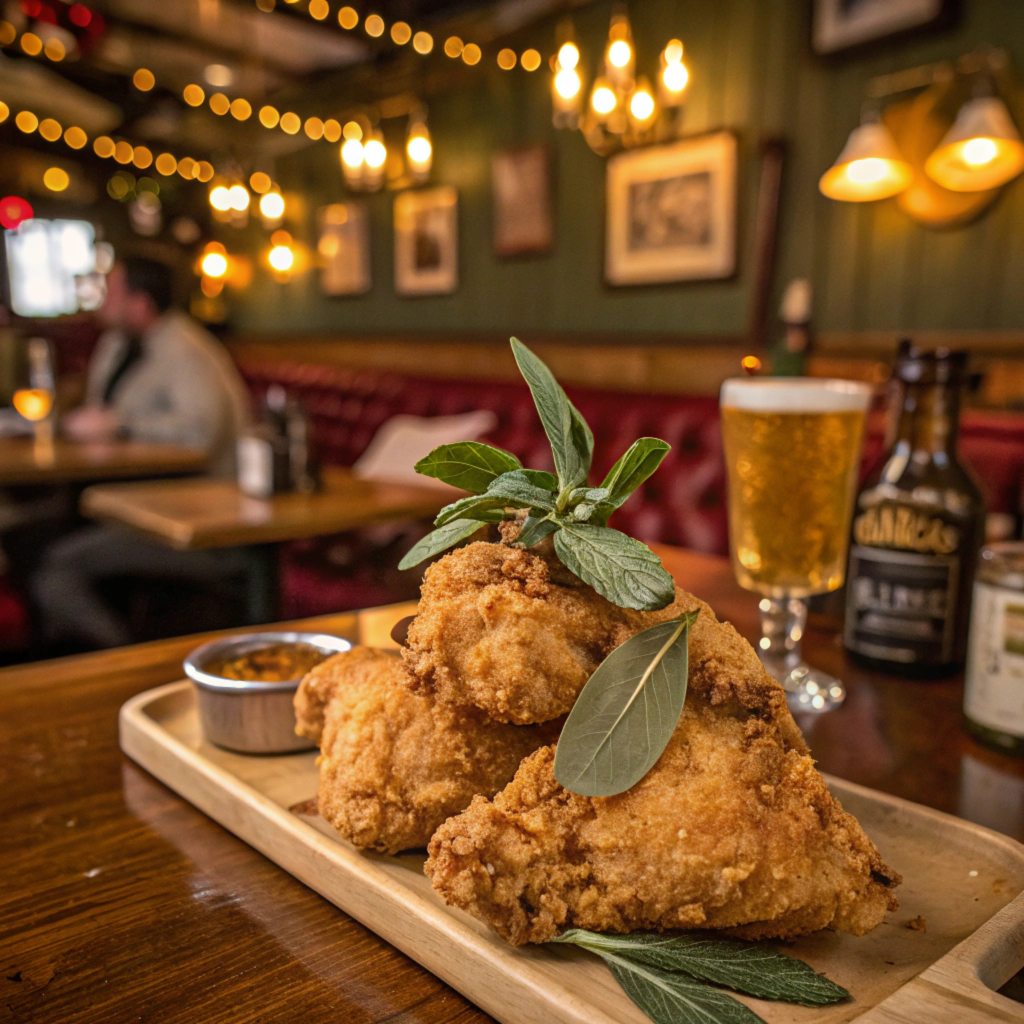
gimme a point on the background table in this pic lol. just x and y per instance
(118, 899)
(75, 463)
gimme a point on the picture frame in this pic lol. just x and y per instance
(671, 212)
(522, 195)
(842, 24)
(427, 241)
(344, 247)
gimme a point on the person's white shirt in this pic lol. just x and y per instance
(184, 389)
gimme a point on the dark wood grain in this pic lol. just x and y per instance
(119, 901)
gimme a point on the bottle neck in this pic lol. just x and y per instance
(931, 419)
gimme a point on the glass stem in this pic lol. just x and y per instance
(782, 629)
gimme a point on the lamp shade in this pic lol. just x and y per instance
(869, 167)
(982, 150)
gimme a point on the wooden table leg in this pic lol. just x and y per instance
(263, 584)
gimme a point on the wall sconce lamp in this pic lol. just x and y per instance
(869, 167)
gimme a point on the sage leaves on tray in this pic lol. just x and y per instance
(626, 714)
(667, 976)
(618, 567)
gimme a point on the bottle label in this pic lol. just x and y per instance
(994, 681)
(901, 606)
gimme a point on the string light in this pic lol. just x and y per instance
(142, 157)
(31, 44)
(8, 33)
(530, 60)
(241, 110)
(166, 164)
(348, 18)
(332, 130)
(319, 9)
(471, 54)
(5, 111)
(506, 59)
(314, 128)
(194, 95)
(75, 137)
(374, 26)
(50, 129)
(269, 117)
(144, 80)
(103, 147)
(220, 104)
(453, 46)
(260, 182)
(423, 42)
(54, 49)
(400, 33)
(353, 130)
(123, 152)
(56, 179)
(27, 121)
(290, 123)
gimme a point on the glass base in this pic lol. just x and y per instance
(809, 689)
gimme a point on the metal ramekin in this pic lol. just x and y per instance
(250, 717)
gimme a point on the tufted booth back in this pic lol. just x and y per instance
(683, 503)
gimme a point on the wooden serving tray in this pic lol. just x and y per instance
(965, 881)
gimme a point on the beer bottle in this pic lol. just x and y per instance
(918, 526)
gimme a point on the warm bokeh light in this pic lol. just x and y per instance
(272, 206)
(419, 149)
(187, 168)
(14, 210)
(319, 9)
(314, 128)
(423, 42)
(641, 105)
(27, 121)
(32, 44)
(978, 152)
(241, 110)
(620, 53)
(281, 258)
(238, 197)
(193, 95)
(674, 51)
(220, 76)
(166, 164)
(453, 46)
(353, 130)
(291, 123)
(50, 130)
(567, 83)
(74, 137)
(123, 152)
(568, 55)
(143, 79)
(400, 33)
(8, 33)
(375, 153)
(215, 264)
(471, 54)
(332, 130)
(348, 18)
(751, 364)
(870, 167)
(80, 15)
(675, 77)
(103, 147)
(530, 60)
(507, 59)
(374, 26)
(269, 116)
(260, 182)
(54, 49)
(220, 198)
(982, 150)
(604, 100)
(220, 104)
(5, 111)
(867, 171)
(34, 404)
(56, 179)
(204, 171)
(142, 157)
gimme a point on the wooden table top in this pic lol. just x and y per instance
(205, 513)
(118, 899)
(75, 462)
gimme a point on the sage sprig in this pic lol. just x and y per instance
(626, 714)
(620, 568)
(668, 977)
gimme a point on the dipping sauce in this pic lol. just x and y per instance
(275, 663)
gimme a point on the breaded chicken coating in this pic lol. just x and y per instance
(393, 763)
(513, 632)
(732, 829)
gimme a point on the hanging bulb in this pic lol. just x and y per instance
(620, 54)
(220, 198)
(675, 76)
(642, 107)
(869, 167)
(982, 150)
(375, 155)
(352, 160)
(419, 150)
(566, 82)
(272, 206)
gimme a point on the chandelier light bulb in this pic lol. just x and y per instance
(375, 153)
(281, 258)
(620, 53)
(272, 205)
(238, 196)
(674, 52)
(568, 56)
(567, 83)
(352, 154)
(220, 199)
(419, 149)
(604, 100)
(675, 77)
(641, 105)
(978, 152)
(215, 264)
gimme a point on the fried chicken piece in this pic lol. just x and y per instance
(513, 632)
(732, 829)
(393, 763)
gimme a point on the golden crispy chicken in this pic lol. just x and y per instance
(732, 829)
(513, 632)
(393, 763)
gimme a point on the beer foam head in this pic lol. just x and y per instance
(795, 394)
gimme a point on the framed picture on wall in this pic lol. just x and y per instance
(671, 212)
(840, 24)
(523, 221)
(344, 245)
(427, 241)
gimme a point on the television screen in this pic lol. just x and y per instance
(45, 261)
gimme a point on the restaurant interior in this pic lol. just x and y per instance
(262, 263)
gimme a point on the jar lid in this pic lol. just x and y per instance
(1003, 564)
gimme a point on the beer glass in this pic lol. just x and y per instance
(792, 452)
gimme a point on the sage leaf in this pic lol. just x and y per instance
(572, 443)
(618, 567)
(590, 494)
(477, 506)
(470, 465)
(756, 969)
(676, 999)
(540, 478)
(439, 540)
(638, 462)
(626, 714)
(534, 530)
(521, 491)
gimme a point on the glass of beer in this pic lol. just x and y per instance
(792, 452)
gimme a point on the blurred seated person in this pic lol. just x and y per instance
(156, 374)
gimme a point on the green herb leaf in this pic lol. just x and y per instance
(477, 506)
(522, 491)
(676, 999)
(439, 540)
(589, 494)
(618, 567)
(572, 443)
(470, 465)
(626, 714)
(541, 478)
(534, 530)
(755, 969)
(640, 460)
